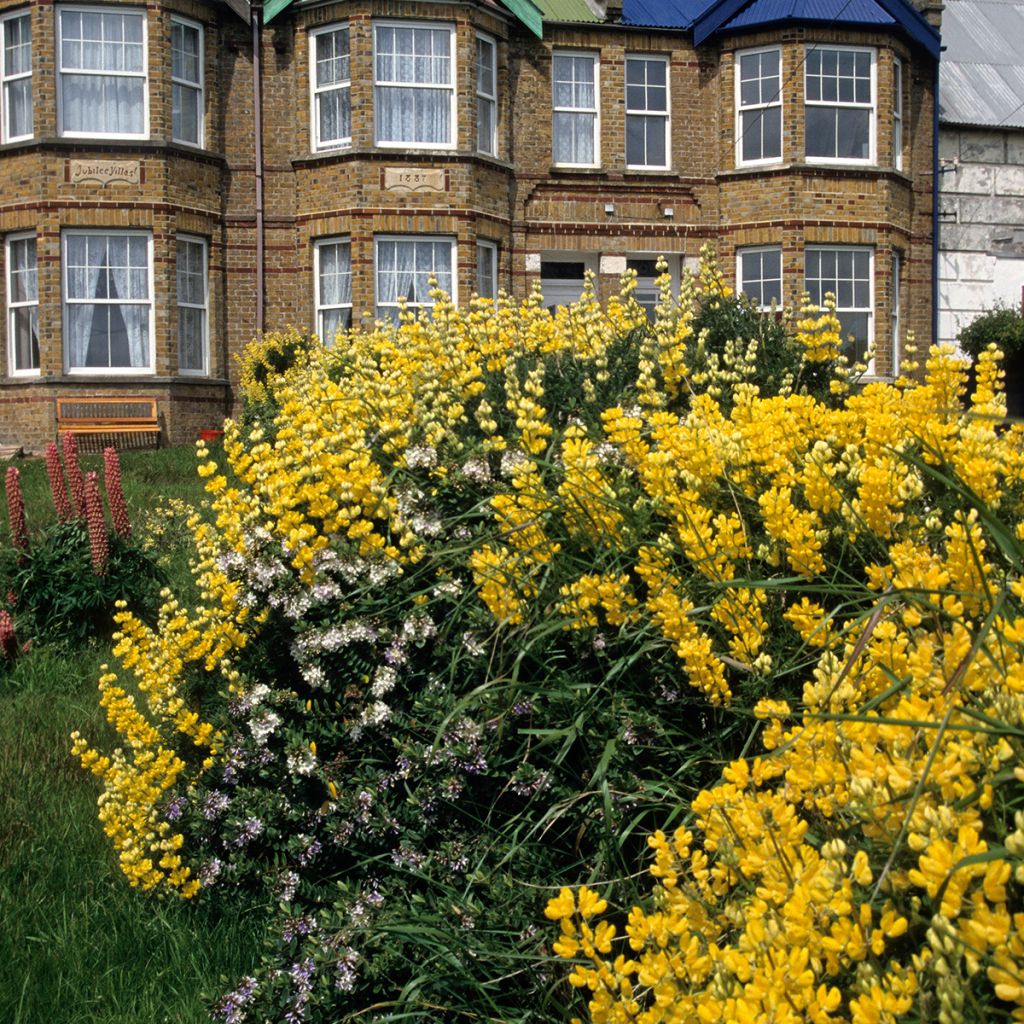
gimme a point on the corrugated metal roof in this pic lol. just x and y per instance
(981, 76)
(837, 12)
(567, 10)
(663, 13)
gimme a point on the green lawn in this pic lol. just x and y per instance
(76, 943)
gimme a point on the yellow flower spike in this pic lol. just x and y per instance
(590, 903)
(561, 906)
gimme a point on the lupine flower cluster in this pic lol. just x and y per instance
(489, 595)
(16, 509)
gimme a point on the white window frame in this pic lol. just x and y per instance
(595, 110)
(487, 252)
(897, 113)
(896, 313)
(451, 86)
(196, 87)
(590, 261)
(316, 91)
(12, 305)
(6, 78)
(144, 74)
(665, 115)
(204, 307)
(762, 108)
(646, 283)
(742, 280)
(869, 309)
(414, 307)
(321, 306)
(484, 98)
(871, 107)
(107, 371)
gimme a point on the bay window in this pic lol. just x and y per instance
(846, 272)
(760, 275)
(332, 258)
(574, 109)
(192, 305)
(647, 116)
(759, 106)
(839, 106)
(187, 105)
(404, 268)
(101, 62)
(414, 84)
(330, 75)
(22, 305)
(486, 96)
(108, 301)
(16, 76)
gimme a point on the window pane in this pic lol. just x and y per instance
(185, 113)
(485, 260)
(185, 58)
(404, 268)
(112, 327)
(190, 339)
(853, 133)
(332, 57)
(821, 131)
(25, 337)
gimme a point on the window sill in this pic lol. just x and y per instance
(411, 156)
(114, 145)
(587, 172)
(110, 380)
(847, 170)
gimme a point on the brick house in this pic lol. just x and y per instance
(165, 195)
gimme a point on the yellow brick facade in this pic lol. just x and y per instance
(518, 198)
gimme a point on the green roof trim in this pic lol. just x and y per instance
(568, 10)
(272, 8)
(529, 14)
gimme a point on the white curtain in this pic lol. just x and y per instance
(335, 289)
(404, 270)
(574, 99)
(110, 98)
(409, 62)
(334, 112)
(18, 62)
(108, 334)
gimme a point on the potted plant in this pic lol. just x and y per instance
(1004, 327)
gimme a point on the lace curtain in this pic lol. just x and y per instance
(404, 270)
(103, 77)
(102, 331)
(413, 85)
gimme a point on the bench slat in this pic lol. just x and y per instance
(123, 422)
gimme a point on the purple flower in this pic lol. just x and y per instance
(215, 804)
(174, 808)
(251, 828)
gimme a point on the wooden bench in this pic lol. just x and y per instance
(100, 423)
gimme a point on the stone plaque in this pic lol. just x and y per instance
(419, 179)
(127, 172)
(533, 262)
(613, 265)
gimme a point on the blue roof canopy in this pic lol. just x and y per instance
(726, 15)
(663, 13)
